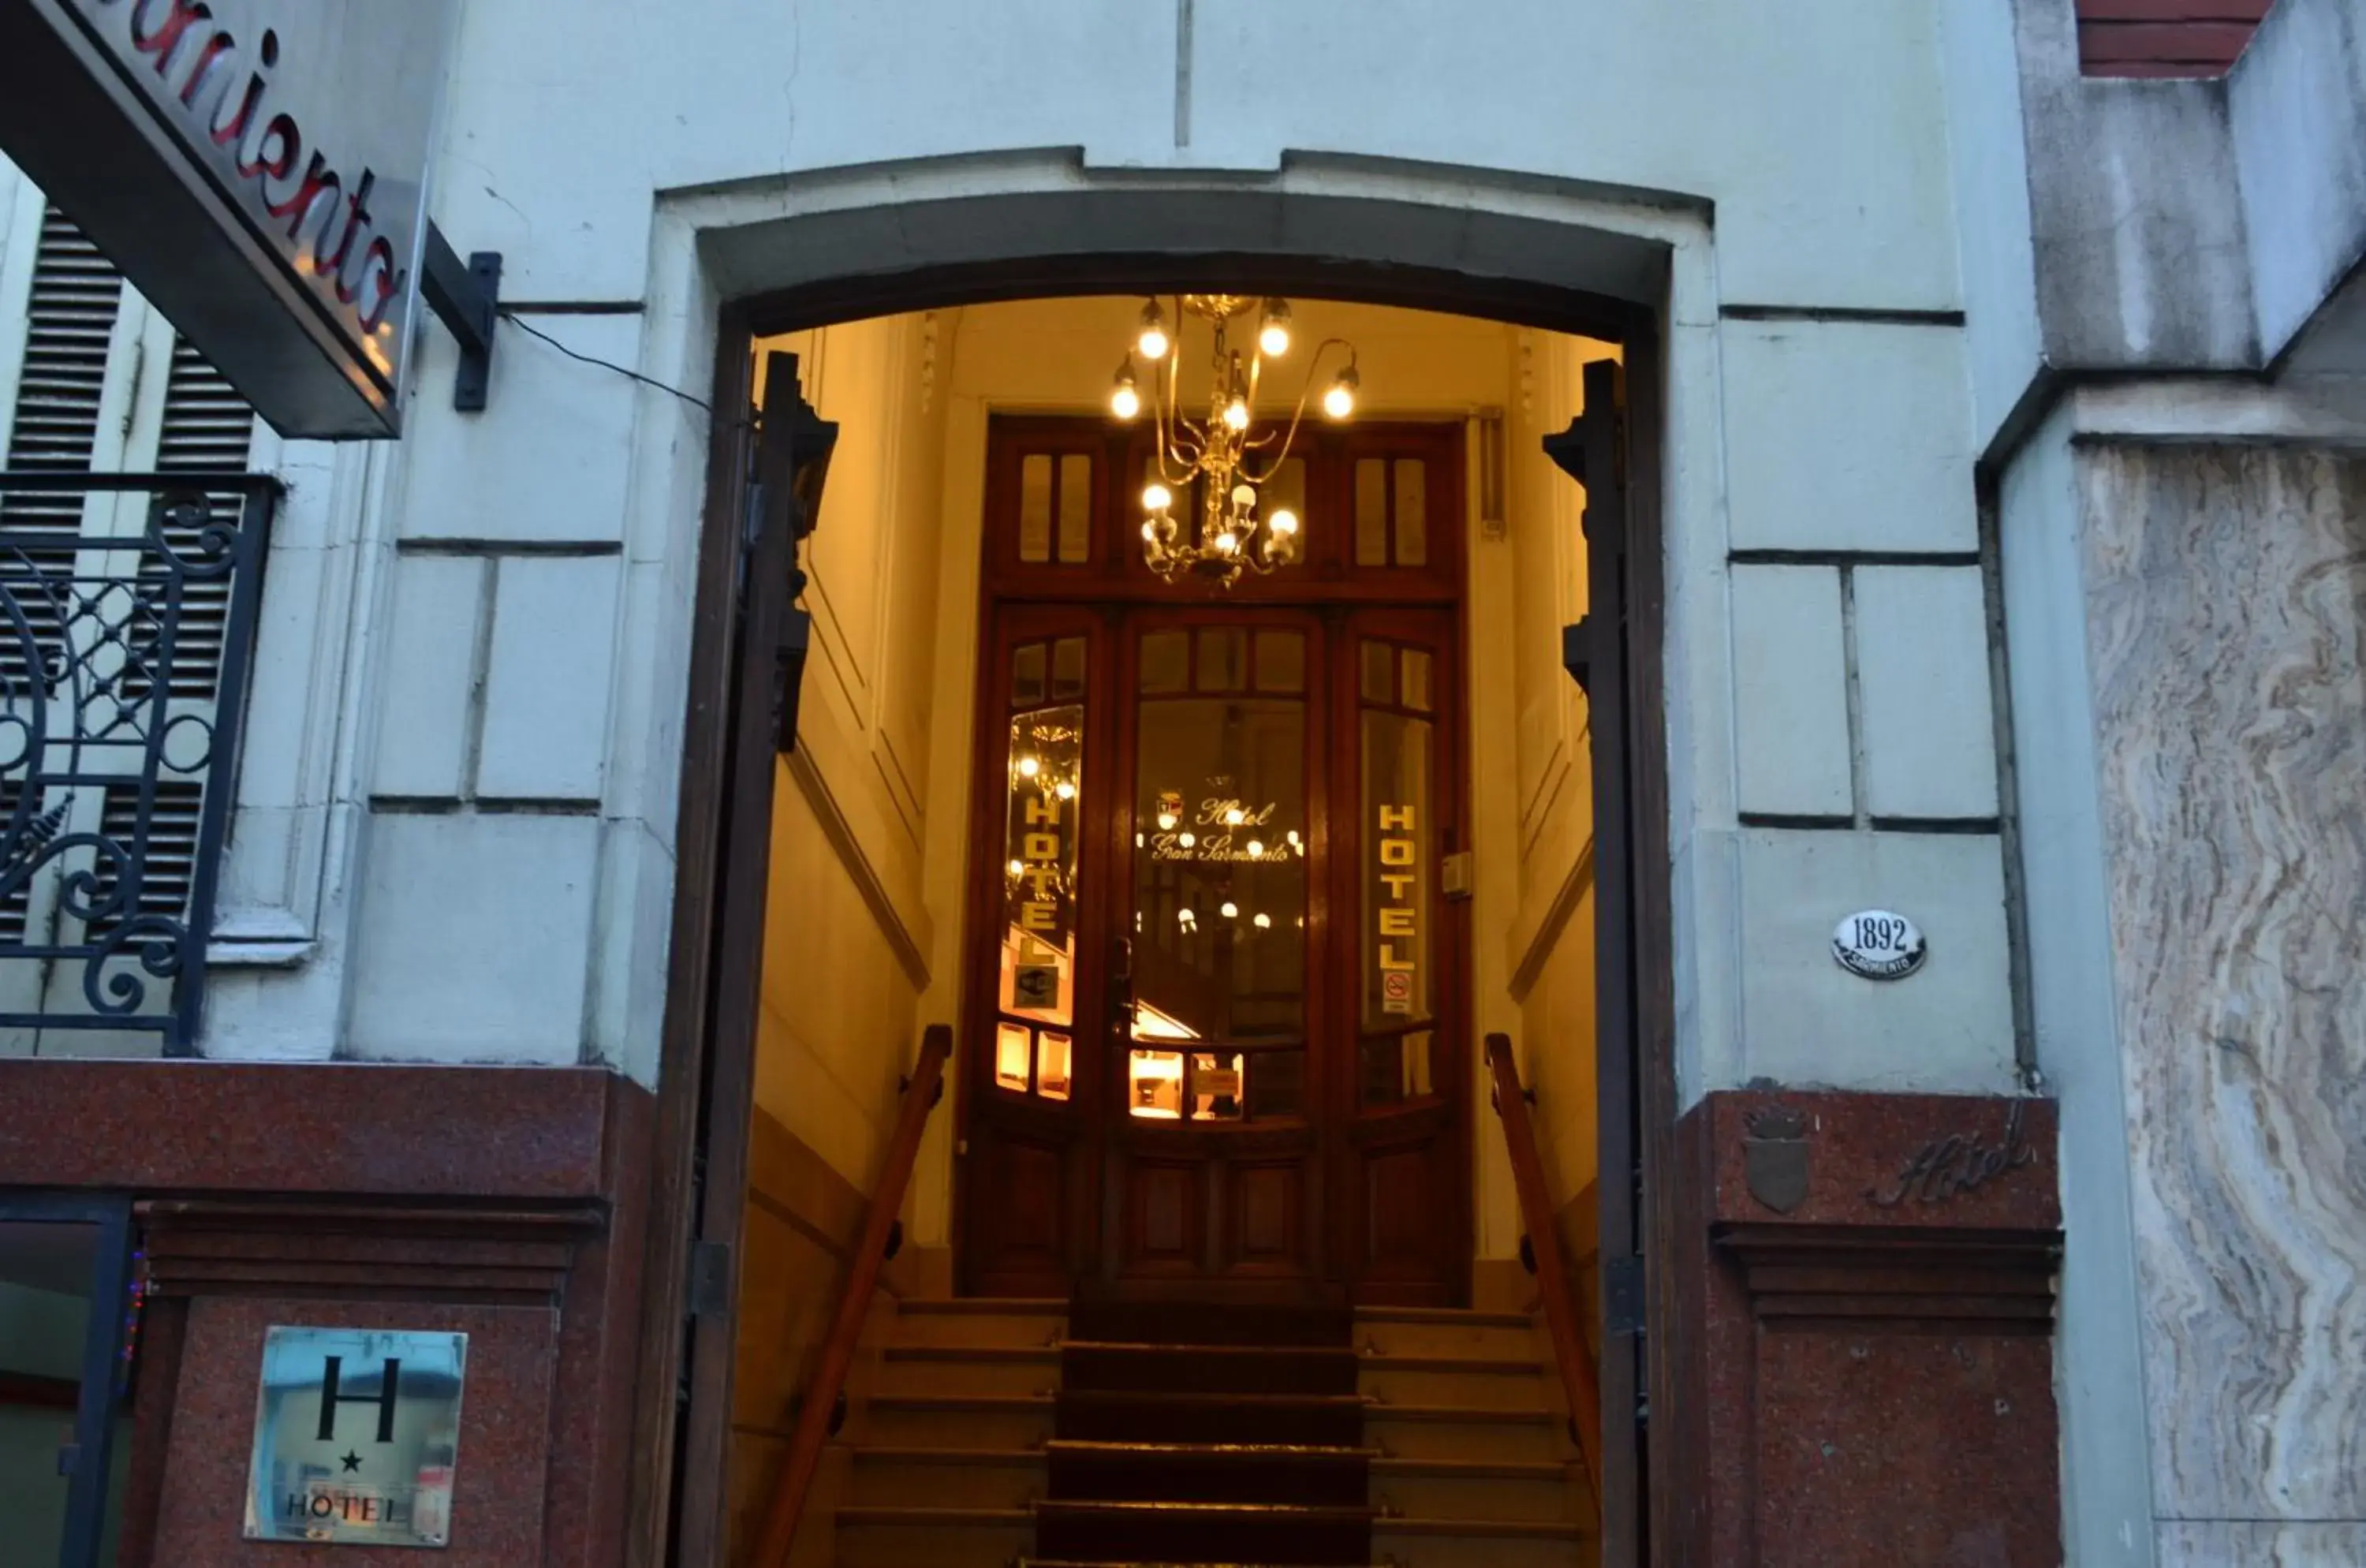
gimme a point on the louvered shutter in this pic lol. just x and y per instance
(87, 401)
(70, 322)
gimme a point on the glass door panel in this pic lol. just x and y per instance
(1219, 877)
(1043, 807)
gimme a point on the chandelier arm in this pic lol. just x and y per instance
(1298, 414)
(1173, 469)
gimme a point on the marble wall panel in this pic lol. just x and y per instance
(2227, 594)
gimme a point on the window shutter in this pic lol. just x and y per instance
(70, 322)
(81, 358)
(76, 296)
(207, 428)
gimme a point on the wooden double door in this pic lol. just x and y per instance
(1219, 1044)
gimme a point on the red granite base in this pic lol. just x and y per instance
(1859, 1332)
(507, 1204)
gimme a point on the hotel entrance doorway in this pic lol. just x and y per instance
(1221, 1039)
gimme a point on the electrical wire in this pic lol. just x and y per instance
(531, 330)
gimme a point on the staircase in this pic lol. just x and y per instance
(1111, 1433)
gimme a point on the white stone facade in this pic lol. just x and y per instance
(510, 672)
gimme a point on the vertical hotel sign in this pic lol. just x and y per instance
(257, 168)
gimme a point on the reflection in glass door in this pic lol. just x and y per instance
(63, 1310)
(1213, 1170)
(1220, 876)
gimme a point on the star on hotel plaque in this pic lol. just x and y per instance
(356, 1432)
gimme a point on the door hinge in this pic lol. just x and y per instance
(1622, 1296)
(710, 1279)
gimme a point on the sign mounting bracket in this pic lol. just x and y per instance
(467, 298)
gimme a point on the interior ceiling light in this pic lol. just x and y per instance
(1228, 456)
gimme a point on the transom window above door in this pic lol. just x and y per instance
(1065, 507)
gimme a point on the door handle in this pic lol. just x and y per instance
(1121, 988)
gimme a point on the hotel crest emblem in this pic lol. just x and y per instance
(1774, 1158)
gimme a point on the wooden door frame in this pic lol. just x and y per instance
(697, 943)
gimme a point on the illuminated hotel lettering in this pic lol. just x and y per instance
(1040, 849)
(1398, 915)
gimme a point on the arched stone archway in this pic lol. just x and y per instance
(867, 243)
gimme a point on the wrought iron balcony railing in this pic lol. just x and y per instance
(126, 622)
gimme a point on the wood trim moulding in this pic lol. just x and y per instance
(505, 1254)
(910, 946)
(1529, 952)
(1992, 1282)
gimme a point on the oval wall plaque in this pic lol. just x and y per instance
(1879, 945)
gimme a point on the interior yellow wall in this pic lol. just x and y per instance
(1550, 944)
(847, 932)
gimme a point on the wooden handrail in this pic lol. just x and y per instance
(1579, 1380)
(797, 1467)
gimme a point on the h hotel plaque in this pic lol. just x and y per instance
(356, 1436)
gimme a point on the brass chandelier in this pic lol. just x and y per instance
(1228, 454)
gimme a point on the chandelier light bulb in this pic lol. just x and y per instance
(1284, 522)
(1153, 342)
(1124, 401)
(1244, 497)
(1257, 849)
(1186, 841)
(1156, 498)
(1236, 413)
(1028, 767)
(1167, 821)
(1230, 910)
(1340, 401)
(1263, 922)
(1235, 817)
(1149, 531)
(1227, 542)
(1016, 868)
(1273, 337)
(1064, 790)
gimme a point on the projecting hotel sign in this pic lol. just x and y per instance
(357, 1436)
(256, 168)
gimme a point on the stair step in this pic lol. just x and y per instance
(1443, 1331)
(1459, 1543)
(1086, 1364)
(930, 1538)
(1332, 1419)
(1207, 1532)
(1469, 1432)
(969, 1369)
(1198, 1322)
(1209, 1472)
(963, 1420)
(973, 1321)
(1492, 1381)
(1540, 1492)
(943, 1477)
